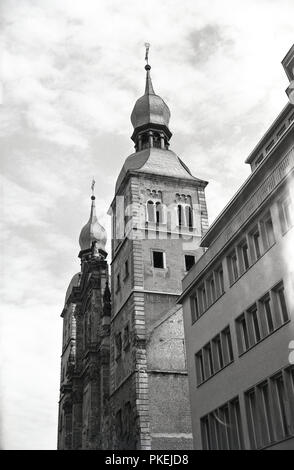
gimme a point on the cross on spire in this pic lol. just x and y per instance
(147, 46)
(93, 186)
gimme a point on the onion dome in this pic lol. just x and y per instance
(93, 231)
(150, 108)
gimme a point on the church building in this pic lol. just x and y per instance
(124, 381)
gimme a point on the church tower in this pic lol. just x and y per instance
(158, 217)
(83, 421)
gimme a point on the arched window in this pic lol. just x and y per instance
(150, 211)
(189, 216)
(181, 215)
(159, 214)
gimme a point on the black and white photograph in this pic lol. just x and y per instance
(147, 227)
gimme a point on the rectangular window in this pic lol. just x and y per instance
(285, 213)
(233, 267)
(267, 433)
(244, 255)
(242, 333)
(268, 231)
(253, 320)
(222, 428)
(211, 289)
(194, 308)
(209, 365)
(218, 351)
(189, 262)
(255, 244)
(200, 367)
(280, 395)
(201, 293)
(280, 304)
(158, 259)
(228, 344)
(219, 275)
(205, 433)
(252, 418)
(268, 315)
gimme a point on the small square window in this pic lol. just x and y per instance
(189, 262)
(158, 259)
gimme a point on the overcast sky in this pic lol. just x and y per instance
(71, 72)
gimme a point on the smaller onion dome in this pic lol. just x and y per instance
(93, 231)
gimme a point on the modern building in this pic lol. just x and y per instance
(124, 381)
(238, 306)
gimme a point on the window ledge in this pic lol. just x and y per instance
(265, 337)
(252, 264)
(198, 318)
(213, 375)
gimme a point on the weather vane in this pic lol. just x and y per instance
(93, 185)
(147, 46)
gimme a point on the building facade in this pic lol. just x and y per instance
(238, 306)
(124, 381)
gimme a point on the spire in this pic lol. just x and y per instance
(93, 232)
(149, 87)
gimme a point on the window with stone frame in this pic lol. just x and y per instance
(158, 259)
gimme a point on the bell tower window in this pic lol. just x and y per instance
(189, 216)
(181, 215)
(150, 211)
(159, 215)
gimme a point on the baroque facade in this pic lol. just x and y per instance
(124, 378)
(238, 305)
